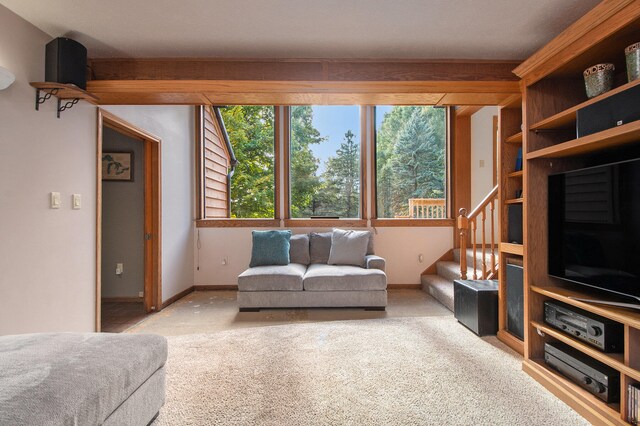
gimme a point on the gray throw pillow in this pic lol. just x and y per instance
(319, 247)
(348, 247)
(370, 246)
(299, 250)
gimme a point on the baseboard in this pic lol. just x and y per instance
(404, 286)
(177, 297)
(121, 300)
(215, 287)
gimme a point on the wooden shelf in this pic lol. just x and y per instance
(617, 136)
(514, 201)
(517, 174)
(613, 360)
(623, 315)
(65, 91)
(576, 397)
(512, 248)
(515, 139)
(567, 119)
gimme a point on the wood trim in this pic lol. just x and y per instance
(121, 299)
(373, 164)
(238, 223)
(215, 287)
(495, 150)
(404, 286)
(460, 161)
(325, 223)
(512, 341)
(433, 268)
(364, 143)
(199, 161)
(467, 110)
(177, 297)
(577, 38)
(286, 135)
(277, 167)
(98, 295)
(300, 69)
(413, 222)
(152, 210)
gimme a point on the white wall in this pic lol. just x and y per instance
(399, 246)
(174, 126)
(482, 150)
(47, 257)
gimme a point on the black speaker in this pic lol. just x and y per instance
(621, 108)
(515, 300)
(514, 234)
(66, 62)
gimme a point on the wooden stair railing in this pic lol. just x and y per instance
(468, 224)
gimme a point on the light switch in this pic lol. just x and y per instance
(55, 202)
(481, 163)
(119, 268)
(76, 201)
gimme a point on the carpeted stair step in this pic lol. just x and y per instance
(451, 271)
(440, 288)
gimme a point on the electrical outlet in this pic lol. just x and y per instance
(119, 268)
(140, 294)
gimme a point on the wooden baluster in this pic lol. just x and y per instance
(484, 245)
(493, 243)
(475, 246)
(463, 226)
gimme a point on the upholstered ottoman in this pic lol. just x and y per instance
(81, 378)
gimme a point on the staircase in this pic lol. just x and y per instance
(440, 286)
(481, 258)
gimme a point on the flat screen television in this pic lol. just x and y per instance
(594, 229)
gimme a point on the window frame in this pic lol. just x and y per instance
(228, 222)
(408, 222)
(361, 221)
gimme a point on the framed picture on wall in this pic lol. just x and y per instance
(117, 166)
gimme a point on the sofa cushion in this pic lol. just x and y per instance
(73, 378)
(319, 247)
(340, 277)
(270, 248)
(272, 277)
(348, 247)
(299, 249)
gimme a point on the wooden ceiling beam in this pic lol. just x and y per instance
(300, 69)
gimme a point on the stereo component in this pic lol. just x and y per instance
(514, 232)
(595, 377)
(515, 300)
(616, 110)
(603, 333)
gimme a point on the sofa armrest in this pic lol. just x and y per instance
(374, 262)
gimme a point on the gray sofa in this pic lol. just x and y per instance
(309, 282)
(81, 378)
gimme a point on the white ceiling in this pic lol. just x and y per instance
(394, 29)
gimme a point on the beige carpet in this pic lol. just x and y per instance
(404, 371)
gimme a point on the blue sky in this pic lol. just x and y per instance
(333, 122)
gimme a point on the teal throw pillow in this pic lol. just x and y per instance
(270, 248)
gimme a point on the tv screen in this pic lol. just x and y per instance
(594, 227)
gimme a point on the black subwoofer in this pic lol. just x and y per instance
(66, 62)
(515, 224)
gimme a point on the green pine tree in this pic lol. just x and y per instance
(341, 194)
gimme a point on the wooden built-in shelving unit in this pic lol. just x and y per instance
(510, 182)
(553, 92)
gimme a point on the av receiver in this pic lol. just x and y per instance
(591, 375)
(603, 333)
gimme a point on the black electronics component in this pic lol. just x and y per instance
(603, 333)
(591, 375)
(66, 62)
(616, 110)
(515, 224)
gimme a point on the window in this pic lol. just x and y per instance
(324, 161)
(410, 143)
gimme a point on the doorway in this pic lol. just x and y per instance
(128, 232)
